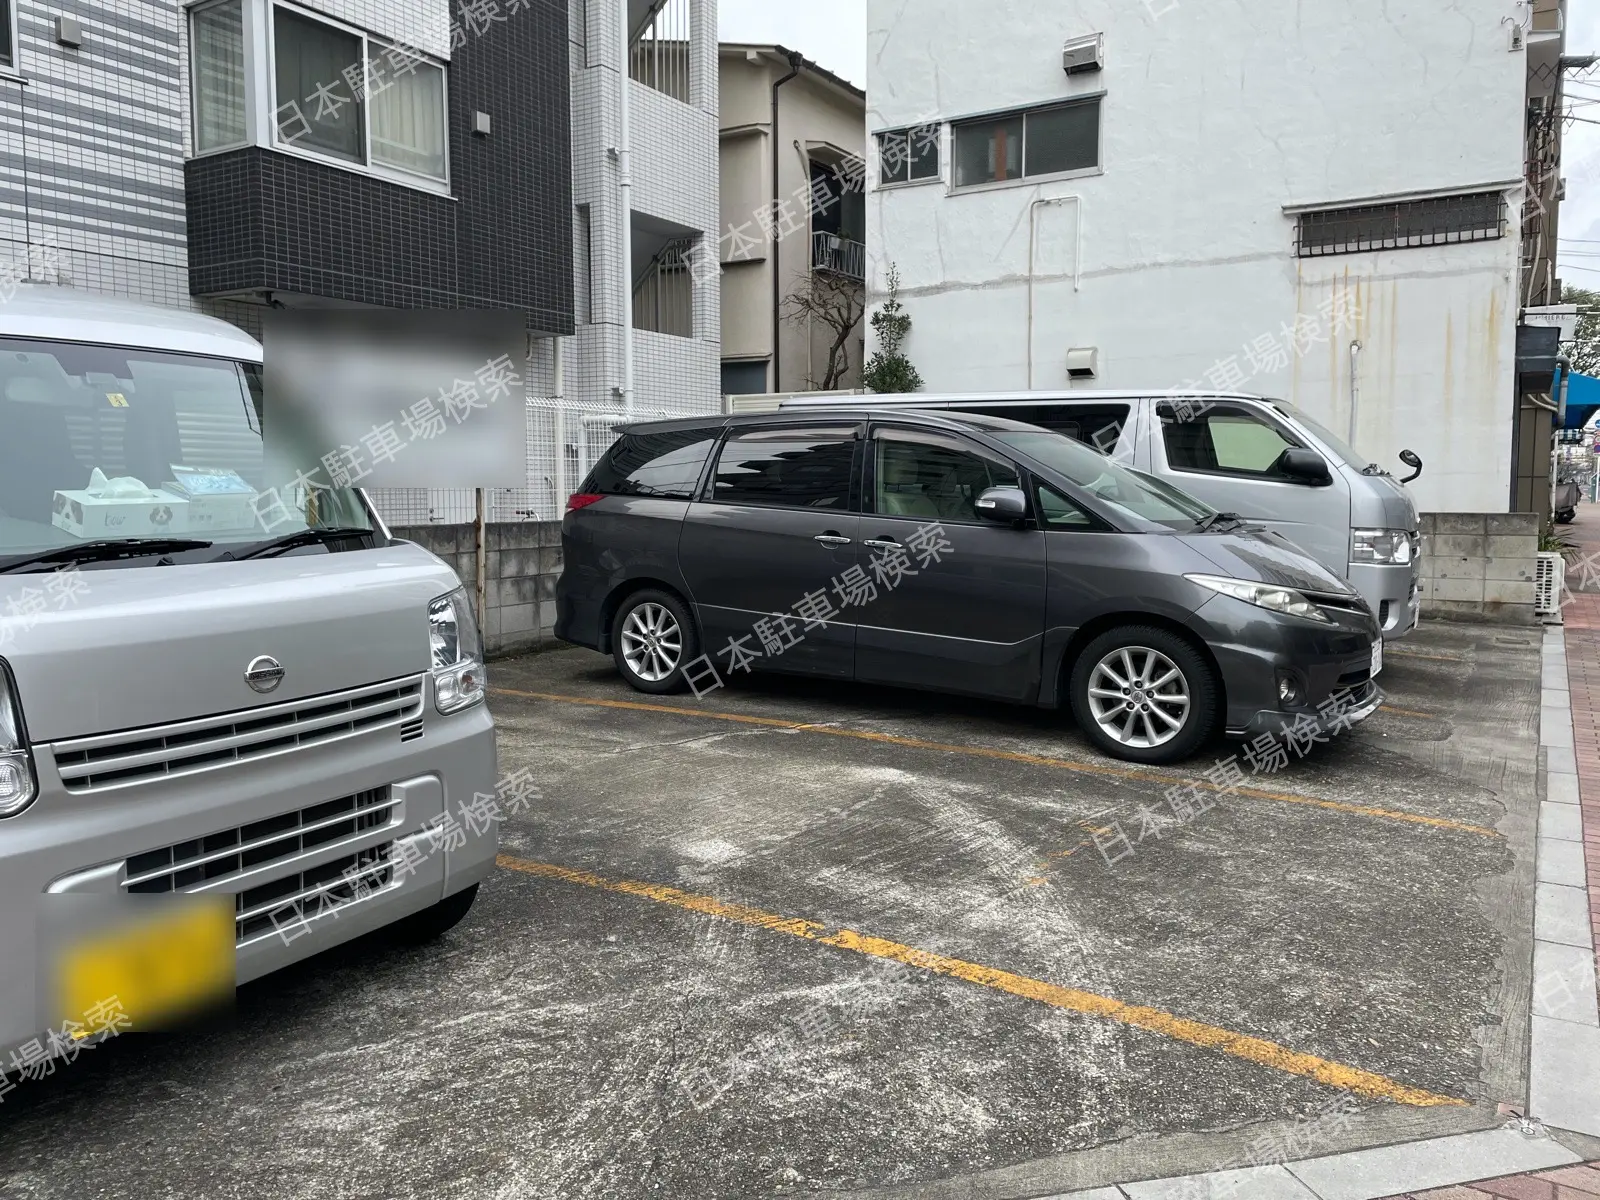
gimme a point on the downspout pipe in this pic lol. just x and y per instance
(797, 63)
(1355, 389)
(625, 200)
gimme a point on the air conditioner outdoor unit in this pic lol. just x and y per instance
(1084, 54)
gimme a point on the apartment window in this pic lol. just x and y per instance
(217, 46)
(908, 155)
(8, 34)
(408, 113)
(1471, 217)
(336, 92)
(1018, 145)
(316, 109)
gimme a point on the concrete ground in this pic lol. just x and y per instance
(799, 936)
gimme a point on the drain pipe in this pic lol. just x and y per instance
(560, 421)
(1033, 242)
(625, 200)
(1355, 388)
(796, 63)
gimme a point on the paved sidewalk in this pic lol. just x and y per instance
(1564, 1183)
(1581, 617)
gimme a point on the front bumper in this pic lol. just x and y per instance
(1393, 592)
(1254, 648)
(1360, 705)
(72, 847)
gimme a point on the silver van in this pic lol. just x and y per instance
(213, 695)
(1256, 457)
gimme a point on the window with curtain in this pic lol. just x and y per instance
(317, 108)
(1041, 141)
(217, 40)
(367, 101)
(408, 111)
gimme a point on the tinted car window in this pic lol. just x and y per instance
(653, 464)
(921, 475)
(1115, 485)
(1099, 426)
(787, 468)
(1223, 440)
(1060, 513)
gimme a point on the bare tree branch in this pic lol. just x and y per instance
(836, 302)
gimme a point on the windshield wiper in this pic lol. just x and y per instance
(100, 550)
(1219, 518)
(293, 541)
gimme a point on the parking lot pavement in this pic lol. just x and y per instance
(795, 935)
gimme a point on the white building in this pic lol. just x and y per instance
(1317, 202)
(677, 313)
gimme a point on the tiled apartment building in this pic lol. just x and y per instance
(228, 155)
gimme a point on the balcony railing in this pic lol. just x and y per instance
(830, 252)
(658, 54)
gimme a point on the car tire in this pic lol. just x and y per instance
(652, 639)
(1144, 733)
(433, 923)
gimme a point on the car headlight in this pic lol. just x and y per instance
(457, 647)
(1389, 546)
(17, 786)
(1264, 595)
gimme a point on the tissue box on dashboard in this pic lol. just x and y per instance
(87, 515)
(219, 500)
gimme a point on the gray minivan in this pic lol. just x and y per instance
(959, 553)
(237, 726)
(1258, 457)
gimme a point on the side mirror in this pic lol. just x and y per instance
(1003, 505)
(1304, 466)
(1411, 460)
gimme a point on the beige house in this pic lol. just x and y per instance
(793, 223)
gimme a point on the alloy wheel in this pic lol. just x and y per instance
(652, 642)
(1139, 697)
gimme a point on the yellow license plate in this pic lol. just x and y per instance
(165, 965)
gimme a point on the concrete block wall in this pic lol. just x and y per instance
(524, 562)
(1479, 566)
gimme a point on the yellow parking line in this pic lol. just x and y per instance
(1406, 712)
(1195, 1033)
(1084, 768)
(1387, 653)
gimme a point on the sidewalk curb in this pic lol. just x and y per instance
(1564, 1062)
(1564, 1058)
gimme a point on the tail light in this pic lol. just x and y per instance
(582, 500)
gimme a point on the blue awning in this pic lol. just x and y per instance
(1583, 400)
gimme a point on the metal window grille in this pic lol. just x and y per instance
(1474, 217)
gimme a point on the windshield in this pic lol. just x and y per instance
(105, 443)
(1328, 438)
(1130, 492)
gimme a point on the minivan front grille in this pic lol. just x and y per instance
(213, 861)
(282, 904)
(232, 852)
(161, 751)
(1340, 604)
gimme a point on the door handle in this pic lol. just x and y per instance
(831, 539)
(882, 543)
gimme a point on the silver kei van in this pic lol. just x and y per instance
(1259, 458)
(208, 690)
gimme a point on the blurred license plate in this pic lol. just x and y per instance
(170, 962)
(1377, 657)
